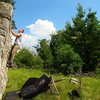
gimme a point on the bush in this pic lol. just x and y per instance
(67, 60)
(37, 62)
(25, 58)
(97, 72)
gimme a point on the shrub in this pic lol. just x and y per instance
(67, 60)
(97, 72)
(25, 58)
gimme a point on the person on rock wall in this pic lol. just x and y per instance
(15, 47)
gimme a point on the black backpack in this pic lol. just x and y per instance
(34, 86)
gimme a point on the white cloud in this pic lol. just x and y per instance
(39, 30)
(28, 40)
(42, 29)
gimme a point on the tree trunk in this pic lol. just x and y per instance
(6, 11)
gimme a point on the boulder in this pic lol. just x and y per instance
(6, 11)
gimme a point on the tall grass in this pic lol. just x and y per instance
(90, 89)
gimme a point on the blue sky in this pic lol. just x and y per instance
(30, 12)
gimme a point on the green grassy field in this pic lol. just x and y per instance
(90, 86)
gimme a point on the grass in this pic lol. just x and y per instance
(90, 86)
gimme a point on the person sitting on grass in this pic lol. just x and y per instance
(15, 47)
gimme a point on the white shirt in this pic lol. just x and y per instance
(18, 40)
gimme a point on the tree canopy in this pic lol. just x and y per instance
(84, 36)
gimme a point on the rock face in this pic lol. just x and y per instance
(6, 11)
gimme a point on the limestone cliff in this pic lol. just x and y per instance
(6, 11)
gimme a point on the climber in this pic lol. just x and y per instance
(15, 47)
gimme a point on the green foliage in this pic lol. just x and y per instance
(37, 62)
(13, 25)
(25, 58)
(68, 60)
(44, 52)
(92, 40)
(84, 37)
(97, 72)
(57, 40)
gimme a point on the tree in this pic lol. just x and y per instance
(75, 34)
(67, 60)
(57, 40)
(44, 52)
(92, 42)
(24, 58)
(82, 35)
